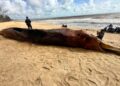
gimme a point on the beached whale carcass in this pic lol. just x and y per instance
(61, 37)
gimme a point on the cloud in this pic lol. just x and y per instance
(54, 8)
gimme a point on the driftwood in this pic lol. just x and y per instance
(61, 37)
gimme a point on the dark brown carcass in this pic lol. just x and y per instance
(61, 37)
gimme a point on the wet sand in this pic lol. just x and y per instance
(24, 64)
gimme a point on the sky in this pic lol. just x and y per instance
(57, 8)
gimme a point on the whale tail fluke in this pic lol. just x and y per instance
(110, 48)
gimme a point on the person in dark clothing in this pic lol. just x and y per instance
(110, 28)
(65, 26)
(100, 34)
(28, 23)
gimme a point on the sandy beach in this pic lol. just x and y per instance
(24, 64)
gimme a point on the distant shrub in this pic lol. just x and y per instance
(3, 16)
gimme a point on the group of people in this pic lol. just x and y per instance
(108, 28)
(100, 34)
(112, 29)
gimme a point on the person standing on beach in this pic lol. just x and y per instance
(28, 23)
(100, 34)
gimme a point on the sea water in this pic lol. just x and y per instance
(85, 22)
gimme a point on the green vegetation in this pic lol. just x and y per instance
(3, 16)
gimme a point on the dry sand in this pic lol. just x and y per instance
(23, 64)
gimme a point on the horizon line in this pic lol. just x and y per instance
(68, 17)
